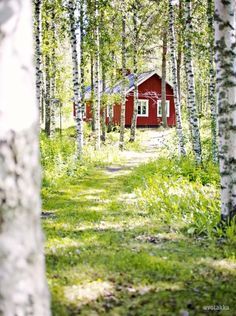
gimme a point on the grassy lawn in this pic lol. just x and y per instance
(112, 251)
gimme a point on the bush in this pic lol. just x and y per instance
(58, 156)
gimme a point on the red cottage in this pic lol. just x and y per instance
(149, 102)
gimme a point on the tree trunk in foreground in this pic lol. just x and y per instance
(179, 128)
(163, 80)
(23, 287)
(123, 95)
(135, 63)
(193, 113)
(76, 82)
(225, 42)
(212, 88)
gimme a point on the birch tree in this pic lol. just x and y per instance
(53, 74)
(123, 95)
(179, 48)
(212, 88)
(38, 53)
(48, 48)
(110, 106)
(47, 94)
(97, 99)
(225, 44)
(103, 114)
(92, 89)
(23, 287)
(76, 82)
(192, 107)
(82, 55)
(179, 128)
(163, 79)
(135, 65)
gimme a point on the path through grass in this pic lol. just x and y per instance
(105, 256)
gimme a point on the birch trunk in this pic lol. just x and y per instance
(97, 101)
(110, 106)
(76, 83)
(225, 42)
(92, 91)
(103, 136)
(179, 53)
(123, 101)
(82, 57)
(212, 88)
(163, 80)
(53, 78)
(193, 112)
(38, 52)
(47, 96)
(135, 63)
(23, 287)
(179, 128)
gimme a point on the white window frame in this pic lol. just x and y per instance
(144, 102)
(112, 111)
(159, 114)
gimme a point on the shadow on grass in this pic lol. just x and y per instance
(105, 259)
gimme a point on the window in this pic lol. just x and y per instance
(108, 111)
(159, 111)
(143, 108)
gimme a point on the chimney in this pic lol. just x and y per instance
(127, 72)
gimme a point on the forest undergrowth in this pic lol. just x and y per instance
(142, 241)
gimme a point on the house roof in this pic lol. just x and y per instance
(129, 85)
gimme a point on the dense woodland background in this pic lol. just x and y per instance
(136, 221)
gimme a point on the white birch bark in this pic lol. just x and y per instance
(76, 79)
(38, 51)
(92, 90)
(179, 49)
(225, 45)
(179, 128)
(212, 84)
(97, 96)
(193, 113)
(47, 96)
(53, 75)
(110, 106)
(103, 118)
(82, 56)
(23, 287)
(135, 64)
(123, 101)
(163, 80)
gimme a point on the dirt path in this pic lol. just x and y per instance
(153, 139)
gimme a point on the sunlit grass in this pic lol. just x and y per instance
(107, 254)
(128, 240)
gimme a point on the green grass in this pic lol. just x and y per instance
(113, 248)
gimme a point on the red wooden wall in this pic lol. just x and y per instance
(151, 86)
